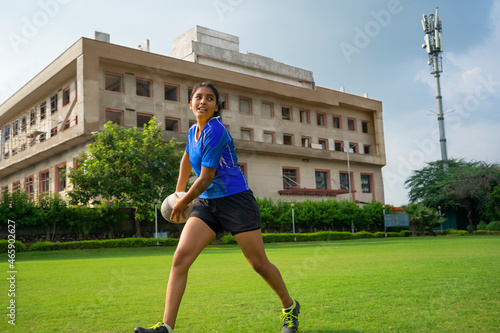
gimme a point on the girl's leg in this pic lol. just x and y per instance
(252, 245)
(195, 236)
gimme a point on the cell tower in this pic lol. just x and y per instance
(434, 45)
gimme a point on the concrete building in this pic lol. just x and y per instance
(290, 134)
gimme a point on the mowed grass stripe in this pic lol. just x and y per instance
(439, 284)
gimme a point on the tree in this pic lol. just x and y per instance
(472, 185)
(464, 184)
(425, 185)
(414, 211)
(129, 165)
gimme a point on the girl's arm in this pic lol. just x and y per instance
(184, 173)
(199, 186)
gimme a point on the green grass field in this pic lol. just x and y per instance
(431, 284)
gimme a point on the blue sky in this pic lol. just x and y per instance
(324, 36)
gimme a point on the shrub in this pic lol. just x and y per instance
(493, 226)
(4, 246)
(482, 226)
(107, 243)
(363, 234)
(228, 239)
(486, 232)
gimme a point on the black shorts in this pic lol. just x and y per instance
(236, 213)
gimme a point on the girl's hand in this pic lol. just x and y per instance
(179, 210)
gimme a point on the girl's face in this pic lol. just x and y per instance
(203, 104)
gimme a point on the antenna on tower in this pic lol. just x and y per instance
(434, 46)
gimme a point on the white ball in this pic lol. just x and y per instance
(168, 205)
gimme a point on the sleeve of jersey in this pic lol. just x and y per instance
(215, 141)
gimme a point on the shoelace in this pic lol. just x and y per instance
(288, 317)
(160, 324)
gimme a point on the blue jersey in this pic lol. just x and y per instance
(215, 149)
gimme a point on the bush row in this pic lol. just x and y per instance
(93, 244)
(319, 236)
(4, 246)
(227, 239)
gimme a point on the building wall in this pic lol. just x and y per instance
(84, 67)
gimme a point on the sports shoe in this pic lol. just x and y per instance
(291, 319)
(158, 328)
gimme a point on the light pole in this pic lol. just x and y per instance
(293, 221)
(349, 178)
(156, 222)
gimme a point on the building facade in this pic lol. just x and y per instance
(292, 137)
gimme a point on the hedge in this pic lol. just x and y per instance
(318, 236)
(107, 243)
(4, 246)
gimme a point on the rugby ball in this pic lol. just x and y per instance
(168, 205)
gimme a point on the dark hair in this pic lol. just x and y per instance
(216, 93)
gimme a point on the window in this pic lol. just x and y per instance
(192, 122)
(322, 179)
(43, 108)
(5, 189)
(32, 117)
(42, 137)
(323, 143)
(114, 116)
(267, 110)
(246, 134)
(16, 186)
(344, 181)
(28, 186)
(172, 124)
(364, 126)
(351, 124)
(113, 82)
(23, 124)
(223, 101)
(53, 131)
(143, 87)
(288, 139)
(15, 128)
(66, 97)
(269, 136)
(244, 168)
(339, 145)
(286, 113)
(366, 183)
(366, 149)
(290, 178)
(304, 116)
(190, 91)
(320, 119)
(6, 133)
(53, 104)
(171, 92)
(60, 177)
(337, 122)
(306, 141)
(143, 119)
(44, 181)
(353, 147)
(245, 105)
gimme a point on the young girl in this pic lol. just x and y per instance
(223, 202)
